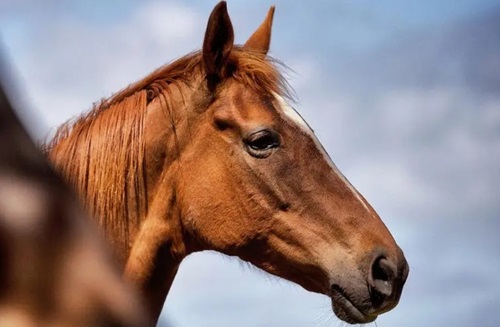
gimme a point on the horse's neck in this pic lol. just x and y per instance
(158, 245)
(153, 247)
(157, 251)
(165, 129)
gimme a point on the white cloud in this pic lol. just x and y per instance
(168, 21)
(70, 63)
(212, 290)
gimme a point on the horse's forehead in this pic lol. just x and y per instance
(292, 114)
(248, 106)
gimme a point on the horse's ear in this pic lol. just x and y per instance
(261, 38)
(218, 42)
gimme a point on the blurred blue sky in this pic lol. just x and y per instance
(405, 96)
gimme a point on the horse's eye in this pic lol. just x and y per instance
(262, 143)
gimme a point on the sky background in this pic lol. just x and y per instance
(404, 95)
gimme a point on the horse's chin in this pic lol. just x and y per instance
(346, 310)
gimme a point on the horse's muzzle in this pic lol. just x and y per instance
(380, 293)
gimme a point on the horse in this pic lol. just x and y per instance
(55, 270)
(207, 153)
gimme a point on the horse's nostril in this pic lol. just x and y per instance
(383, 270)
(381, 280)
(386, 278)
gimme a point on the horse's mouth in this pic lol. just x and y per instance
(345, 309)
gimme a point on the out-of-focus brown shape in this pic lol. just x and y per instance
(54, 269)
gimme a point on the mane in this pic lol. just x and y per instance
(101, 153)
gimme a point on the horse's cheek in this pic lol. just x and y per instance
(210, 213)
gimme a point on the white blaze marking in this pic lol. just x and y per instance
(296, 118)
